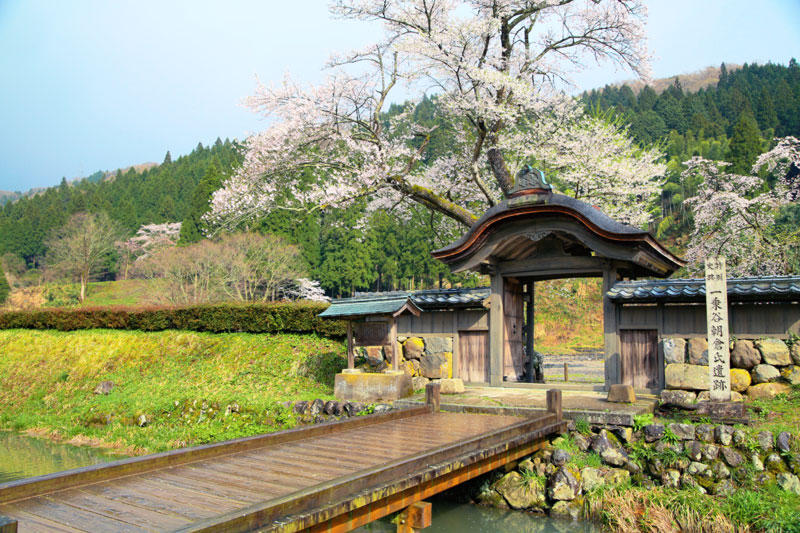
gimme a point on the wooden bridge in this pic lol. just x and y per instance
(329, 477)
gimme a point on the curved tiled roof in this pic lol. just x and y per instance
(771, 288)
(550, 204)
(376, 303)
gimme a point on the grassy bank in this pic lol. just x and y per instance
(183, 383)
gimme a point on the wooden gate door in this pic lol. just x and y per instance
(514, 323)
(639, 351)
(473, 353)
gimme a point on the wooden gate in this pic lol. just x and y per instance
(514, 323)
(473, 353)
(639, 351)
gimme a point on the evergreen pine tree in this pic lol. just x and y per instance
(745, 144)
(5, 288)
(192, 226)
(765, 111)
(167, 159)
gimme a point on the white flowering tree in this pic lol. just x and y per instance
(495, 66)
(735, 215)
(307, 289)
(149, 238)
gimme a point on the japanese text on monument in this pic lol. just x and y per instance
(719, 365)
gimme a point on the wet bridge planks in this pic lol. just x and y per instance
(284, 481)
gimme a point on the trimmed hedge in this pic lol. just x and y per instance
(274, 317)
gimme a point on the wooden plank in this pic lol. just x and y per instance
(321, 468)
(263, 514)
(15, 490)
(298, 453)
(327, 449)
(194, 482)
(169, 499)
(75, 517)
(224, 476)
(275, 480)
(117, 510)
(29, 523)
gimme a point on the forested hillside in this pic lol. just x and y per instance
(733, 120)
(160, 194)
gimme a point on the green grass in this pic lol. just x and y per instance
(181, 381)
(568, 315)
(778, 414)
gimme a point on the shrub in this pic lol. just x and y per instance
(273, 317)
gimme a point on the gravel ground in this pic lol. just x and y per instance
(587, 367)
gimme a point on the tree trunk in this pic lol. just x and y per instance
(83, 287)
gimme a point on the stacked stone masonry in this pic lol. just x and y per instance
(760, 369)
(424, 358)
(711, 459)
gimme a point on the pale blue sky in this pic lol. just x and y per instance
(90, 85)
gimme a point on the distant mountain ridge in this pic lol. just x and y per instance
(691, 81)
(100, 175)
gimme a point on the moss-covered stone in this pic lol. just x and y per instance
(740, 379)
(521, 492)
(413, 348)
(774, 352)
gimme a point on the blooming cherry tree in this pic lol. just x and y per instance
(495, 66)
(735, 215)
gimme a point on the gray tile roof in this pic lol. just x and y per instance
(772, 288)
(376, 303)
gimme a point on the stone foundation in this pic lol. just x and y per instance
(357, 386)
(423, 358)
(761, 368)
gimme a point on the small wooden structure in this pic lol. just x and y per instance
(537, 235)
(649, 311)
(377, 317)
(328, 477)
(533, 235)
(458, 316)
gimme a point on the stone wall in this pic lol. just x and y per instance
(711, 459)
(423, 357)
(760, 369)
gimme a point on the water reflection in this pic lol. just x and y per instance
(22, 456)
(466, 518)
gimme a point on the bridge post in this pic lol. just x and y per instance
(432, 391)
(414, 517)
(554, 402)
(7, 525)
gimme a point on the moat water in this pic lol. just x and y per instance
(22, 456)
(450, 517)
